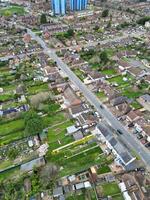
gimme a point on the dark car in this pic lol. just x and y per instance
(141, 169)
(147, 145)
(101, 107)
(139, 137)
(119, 131)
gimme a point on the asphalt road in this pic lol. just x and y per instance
(128, 138)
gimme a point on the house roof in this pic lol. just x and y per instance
(71, 96)
(72, 129)
(58, 191)
(95, 74)
(78, 135)
(147, 78)
(135, 71)
(120, 149)
(146, 97)
(132, 115)
(34, 163)
(75, 109)
(119, 100)
(146, 129)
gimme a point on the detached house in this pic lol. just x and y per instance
(144, 100)
(76, 110)
(136, 72)
(133, 116)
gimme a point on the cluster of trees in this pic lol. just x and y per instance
(39, 98)
(101, 58)
(105, 13)
(12, 153)
(43, 19)
(41, 179)
(33, 123)
(142, 20)
(65, 35)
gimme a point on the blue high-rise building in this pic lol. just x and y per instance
(78, 4)
(59, 7)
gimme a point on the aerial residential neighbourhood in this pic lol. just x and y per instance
(74, 100)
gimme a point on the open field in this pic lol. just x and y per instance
(88, 194)
(18, 10)
(14, 130)
(77, 157)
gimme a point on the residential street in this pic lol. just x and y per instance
(104, 112)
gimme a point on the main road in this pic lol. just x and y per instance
(128, 138)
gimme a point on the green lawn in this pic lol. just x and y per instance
(101, 95)
(5, 164)
(11, 137)
(109, 72)
(103, 169)
(110, 189)
(38, 88)
(9, 173)
(76, 197)
(130, 93)
(14, 130)
(79, 73)
(118, 197)
(19, 10)
(76, 163)
(88, 194)
(56, 135)
(6, 97)
(119, 80)
(11, 127)
(136, 105)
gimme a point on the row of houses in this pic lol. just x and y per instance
(122, 155)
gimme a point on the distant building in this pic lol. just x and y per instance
(78, 5)
(59, 7)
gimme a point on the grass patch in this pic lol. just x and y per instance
(119, 80)
(6, 97)
(103, 169)
(9, 173)
(79, 73)
(79, 162)
(101, 95)
(109, 72)
(8, 11)
(130, 93)
(56, 135)
(11, 127)
(110, 189)
(38, 88)
(14, 130)
(11, 137)
(136, 105)
(118, 197)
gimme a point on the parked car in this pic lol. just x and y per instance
(139, 136)
(101, 107)
(147, 144)
(119, 131)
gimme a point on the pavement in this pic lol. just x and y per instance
(126, 137)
